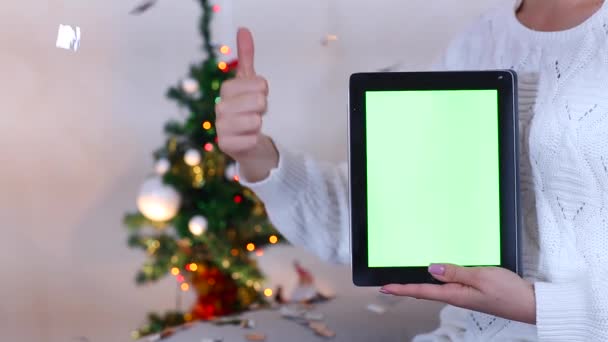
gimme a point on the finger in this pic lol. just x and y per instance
(447, 293)
(238, 144)
(251, 102)
(450, 273)
(234, 87)
(240, 124)
(244, 44)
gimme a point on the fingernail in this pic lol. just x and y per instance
(437, 269)
(382, 290)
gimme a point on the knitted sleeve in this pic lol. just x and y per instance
(307, 201)
(575, 310)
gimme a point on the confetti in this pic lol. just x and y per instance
(68, 37)
(144, 6)
(313, 316)
(248, 324)
(255, 337)
(321, 329)
(376, 308)
(289, 312)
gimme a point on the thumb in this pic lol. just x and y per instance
(449, 273)
(244, 43)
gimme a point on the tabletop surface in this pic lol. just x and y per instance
(348, 317)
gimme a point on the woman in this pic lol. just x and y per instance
(560, 50)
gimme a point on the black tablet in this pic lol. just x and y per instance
(433, 162)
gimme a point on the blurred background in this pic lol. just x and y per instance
(77, 131)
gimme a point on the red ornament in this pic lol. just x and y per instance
(238, 199)
(233, 64)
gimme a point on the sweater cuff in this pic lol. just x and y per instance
(561, 311)
(284, 183)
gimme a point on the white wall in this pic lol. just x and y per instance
(77, 131)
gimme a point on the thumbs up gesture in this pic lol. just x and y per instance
(243, 102)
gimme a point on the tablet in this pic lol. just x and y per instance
(433, 163)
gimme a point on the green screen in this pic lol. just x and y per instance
(433, 178)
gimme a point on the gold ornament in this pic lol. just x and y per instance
(258, 209)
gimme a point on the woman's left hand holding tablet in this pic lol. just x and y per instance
(491, 290)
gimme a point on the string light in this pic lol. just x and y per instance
(236, 275)
(273, 239)
(222, 66)
(328, 38)
(267, 292)
(215, 84)
(193, 267)
(187, 317)
(206, 125)
(185, 287)
(238, 199)
(257, 286)
(225, 49)
(234, 252)
(236, 178)
(250, 247)
(180, 278)
(208, 147)
(175, 271)
(217, 100)
(216, 8)
(225, 263)
(259, 252)
(249, 282)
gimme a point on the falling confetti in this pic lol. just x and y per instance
(68, 37)
(144, 6)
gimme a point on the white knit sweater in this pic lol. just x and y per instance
(563, 93)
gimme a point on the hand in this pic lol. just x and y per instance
(243, 101)
(492, 290)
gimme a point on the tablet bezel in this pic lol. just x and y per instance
(504, 81)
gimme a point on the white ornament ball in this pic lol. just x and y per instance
(197, 225)
(162, 166)
(158, 201)
(231, 171)
(192, 157)
(190, 86)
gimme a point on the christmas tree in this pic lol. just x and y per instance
(195, 221)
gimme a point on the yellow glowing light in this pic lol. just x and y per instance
(257, 286)
(222, 65)
(267, 292)
(236, 275)
(193, 267)
(225, 49)
(225, 263)
(249, 283)
(273, 239)
(250, 247)
(206, 125)
(175, 271)
(187, 317)
(185, 287)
